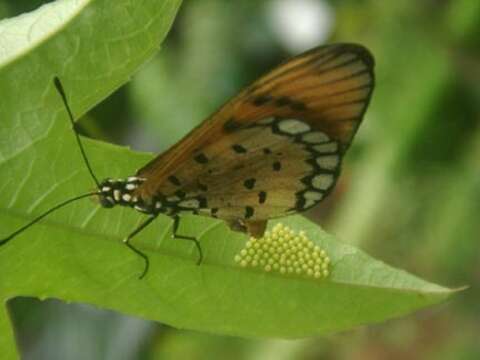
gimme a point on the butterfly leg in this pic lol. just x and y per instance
(253, 228)
(176, 222)
(126, 241)
(237, 225)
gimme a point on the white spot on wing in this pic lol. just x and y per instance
(309, 203)
(326, 148)
(293, 126)
(313, 195)
(315, 137)
(127, 197)
(322, 181)
(106, 188)
(116, 194)
(329, 162)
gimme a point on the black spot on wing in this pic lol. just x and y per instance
(203, 203)
(249, 183)
(262, 197)
(174, 180)
(293, 104)
(181, 194)
(201, 158)
(239, 149)
(277, 166)
(249, 211)
(231, 125)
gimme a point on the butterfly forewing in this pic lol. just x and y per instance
(275, 148)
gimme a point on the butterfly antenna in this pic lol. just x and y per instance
(60, 90)
(40, 217)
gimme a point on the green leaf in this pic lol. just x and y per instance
(94, 47)
(76, 254)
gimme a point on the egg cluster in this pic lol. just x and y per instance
(283, 251)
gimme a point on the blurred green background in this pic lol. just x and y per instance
(410, 189)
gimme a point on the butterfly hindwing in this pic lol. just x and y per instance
(257, 173)
(274, 149)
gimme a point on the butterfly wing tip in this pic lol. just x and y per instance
(367, 57)
(361, 51)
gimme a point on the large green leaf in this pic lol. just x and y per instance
(94, 47)
(76, 254)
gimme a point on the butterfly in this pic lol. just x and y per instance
(273, 150)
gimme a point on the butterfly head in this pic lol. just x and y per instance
(119, 192)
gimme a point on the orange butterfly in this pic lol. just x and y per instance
(273, 150)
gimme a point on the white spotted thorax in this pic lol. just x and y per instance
(121, 192)
(283, 251)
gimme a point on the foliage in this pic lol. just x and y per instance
(396, 169)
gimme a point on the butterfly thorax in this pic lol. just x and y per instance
(127, 192)
(123, 192)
